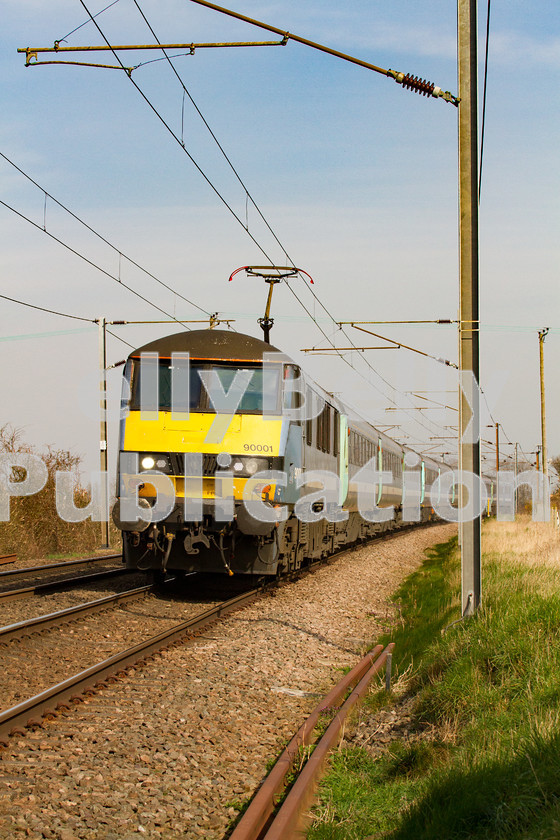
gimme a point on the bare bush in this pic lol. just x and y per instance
(35, 530)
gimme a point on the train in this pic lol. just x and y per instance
(229, 442)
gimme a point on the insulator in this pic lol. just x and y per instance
(421, 86)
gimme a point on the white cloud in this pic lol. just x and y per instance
(512, 47)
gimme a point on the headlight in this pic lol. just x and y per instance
(249, 466)
(156, 461)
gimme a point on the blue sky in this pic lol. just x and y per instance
(357, 178)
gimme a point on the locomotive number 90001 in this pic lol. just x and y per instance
(257, 447)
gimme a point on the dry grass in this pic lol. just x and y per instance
(35, 530)
(523, 541)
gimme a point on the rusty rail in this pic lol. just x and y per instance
(256, 820)
(47, 567)
(62, 583)
(31, 713)
(70, 614)
(288, 822)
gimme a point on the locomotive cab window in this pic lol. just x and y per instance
(164, 377)
(254, 396)
(259, 390)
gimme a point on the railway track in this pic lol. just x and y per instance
(60, 697)
(51, 572)
(63, 564)
(62, 583)
(21, 629)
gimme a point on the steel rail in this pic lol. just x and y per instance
(48, 702)
(258, 814)
(62, 583)
(288, 822)
(33, 625)
(62, 564)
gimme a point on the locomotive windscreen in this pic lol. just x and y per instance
(259, 390)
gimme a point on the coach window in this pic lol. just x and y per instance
(323, 429)
(336, 432)
(322, 420)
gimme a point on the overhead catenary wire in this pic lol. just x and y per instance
(484, 99)
(59, 40)
(61, 315)
(397, 345)
(99, 235)
(91, 263)
(128, 344)
(356, 348)
(214, 137)
(50, 311)
(341, 356)
(178, 140)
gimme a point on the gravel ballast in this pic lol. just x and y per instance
(175, 748)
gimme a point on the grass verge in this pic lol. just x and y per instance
(482, 755)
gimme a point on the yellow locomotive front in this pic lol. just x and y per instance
(203, 433)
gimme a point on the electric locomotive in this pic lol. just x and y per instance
(215, 439)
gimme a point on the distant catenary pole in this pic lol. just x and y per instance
(104, 488)
(542, 335)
